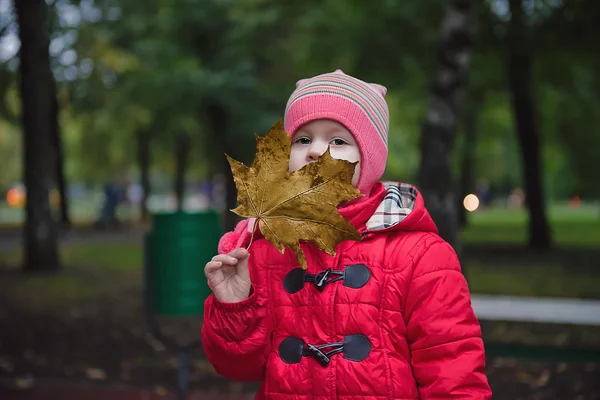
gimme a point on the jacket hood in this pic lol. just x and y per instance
(391, 206)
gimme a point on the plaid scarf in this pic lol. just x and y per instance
(398, 202)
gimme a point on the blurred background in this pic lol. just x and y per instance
(112, 111)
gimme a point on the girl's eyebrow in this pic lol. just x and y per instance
(344, 135)
(333, 129)
(305, 130)
(338, 131)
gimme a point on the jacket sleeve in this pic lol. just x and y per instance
(447, 352)
(236, 336)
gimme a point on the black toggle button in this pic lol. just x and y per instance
(354, 348)
(353, 276)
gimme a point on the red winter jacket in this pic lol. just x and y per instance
(388, 317)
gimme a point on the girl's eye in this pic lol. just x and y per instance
(303, 140)
(339, 142)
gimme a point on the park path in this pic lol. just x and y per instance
(536, 309)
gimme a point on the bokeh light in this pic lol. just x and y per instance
(471, 202)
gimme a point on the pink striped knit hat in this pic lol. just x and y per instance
(358, 105)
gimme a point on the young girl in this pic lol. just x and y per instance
(386, 317)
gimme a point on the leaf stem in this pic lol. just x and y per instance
(253, 230)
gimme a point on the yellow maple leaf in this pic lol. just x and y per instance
(294, 206)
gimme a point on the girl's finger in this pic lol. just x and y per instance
(212, 266)
(225, 259)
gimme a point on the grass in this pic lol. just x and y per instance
(92, 268)
(548, 280)
(122, 256)
(90, 272)
(570, 228)
(569, 270)
(119, 256)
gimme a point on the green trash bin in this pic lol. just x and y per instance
(177, 249)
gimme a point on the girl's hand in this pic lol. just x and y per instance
(228, 276)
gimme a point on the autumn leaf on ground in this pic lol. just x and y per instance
(95, 373)
(294, 206)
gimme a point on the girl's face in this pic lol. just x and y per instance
(312, 140)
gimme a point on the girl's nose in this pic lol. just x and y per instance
(315, 151)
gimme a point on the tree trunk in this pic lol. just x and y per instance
(218, 119)
(36, 87)
(60, 165)
(467, 181)
(143, 139)
(519, 65)
(439, 129)
(182, 151)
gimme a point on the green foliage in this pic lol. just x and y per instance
(497, 152)
(156, 68)
(578, 131)
(406, 117)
